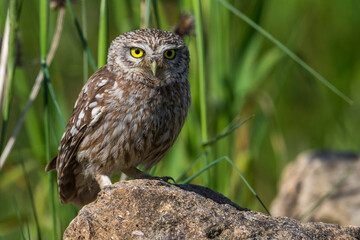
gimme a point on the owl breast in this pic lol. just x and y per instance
(169, 107)
(140, 127)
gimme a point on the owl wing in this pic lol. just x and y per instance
(88, 110)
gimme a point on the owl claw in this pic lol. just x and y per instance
(165, 179)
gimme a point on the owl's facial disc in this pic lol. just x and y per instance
(154, 62)
(149, 55)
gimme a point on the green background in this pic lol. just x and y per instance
(245, 75)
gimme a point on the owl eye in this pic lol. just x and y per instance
(136, 52)
(169, 54)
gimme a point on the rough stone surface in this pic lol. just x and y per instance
(151, 209)
(310, 177)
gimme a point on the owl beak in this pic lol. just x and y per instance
(153, 67)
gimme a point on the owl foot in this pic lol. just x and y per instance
(137, 174)
(103, 181)
(165, 179)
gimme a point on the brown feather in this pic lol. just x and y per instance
(51, 165)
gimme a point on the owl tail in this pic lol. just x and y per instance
(74, 187)
(51, 165)
(87, 195)
(80, 192)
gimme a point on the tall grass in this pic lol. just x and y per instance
(7, 88)
(254, 108)
(84, 28)
(43, 21)
(103, 33)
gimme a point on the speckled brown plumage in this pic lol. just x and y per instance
(127, 114)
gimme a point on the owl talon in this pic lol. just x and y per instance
(165, 179)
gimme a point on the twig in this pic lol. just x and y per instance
(36, 87)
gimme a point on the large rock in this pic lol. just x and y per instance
(310, 177)
(151, 209)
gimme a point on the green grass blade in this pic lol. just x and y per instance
(145, 14)
(81, 35)
(191, 165)
(247, 184)
(226, 133)
(47, 146)
(156, 13)
(287, 51)
(201, 76)
(35, 89)
(236, 169)
(19, 218)
(32, 202)
(189, 179)
(57, 107)
(11, 57)
(4, 56)
(3, 62)
(12, 53)
(201, 69)
(44, 19)
(85, 55)
(103, 33)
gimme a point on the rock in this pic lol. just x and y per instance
(151, 209)
(310, 177)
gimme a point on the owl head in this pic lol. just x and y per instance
(151, 56)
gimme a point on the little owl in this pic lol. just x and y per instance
(129, 113)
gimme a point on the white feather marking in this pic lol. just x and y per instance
(131, 100)
(118, 61)
(78, 122)
(95, 111)
(98, 96)
(119, 129)
(93, 104)
(152, 93)
(76, 103)
(119, 94)
(121, 139)
(134, 128)
(128, 117)
(102, 83)
(114, 152)
(81, 114)
(127, 146)
(73, 131)
(63, 135)
(82, 154)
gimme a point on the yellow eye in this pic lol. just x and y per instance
(136, 52)
(169, 54)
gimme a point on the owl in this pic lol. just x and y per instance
(129, 113)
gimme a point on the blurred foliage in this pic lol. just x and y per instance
(245, 75)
